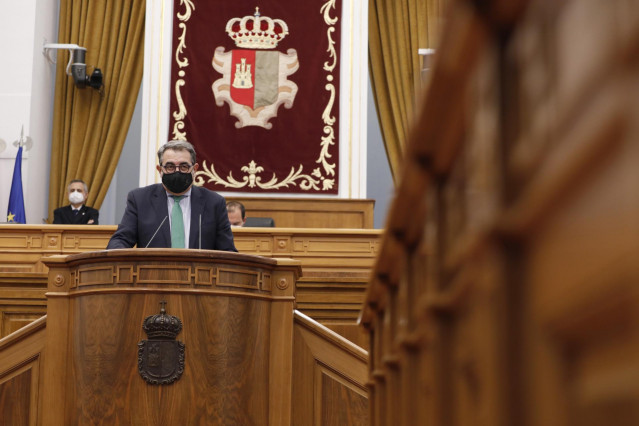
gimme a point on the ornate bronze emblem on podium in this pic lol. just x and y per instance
(161, 358)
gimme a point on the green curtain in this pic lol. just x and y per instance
(89, 127)
(397, 29)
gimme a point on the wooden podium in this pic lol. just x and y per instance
(237, 330)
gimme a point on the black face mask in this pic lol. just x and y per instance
(177, 182)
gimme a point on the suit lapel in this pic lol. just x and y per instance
(159, 203)
(67, 213)
(196, 214)
(81, 213)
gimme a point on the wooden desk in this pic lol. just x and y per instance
(311, 212)
(336, 266)
(231, 313)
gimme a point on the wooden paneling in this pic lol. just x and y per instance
(311, 212)
(21, 375)
(329, 377)
(237, 338)
(513, 299)
(22, 299)
(15, 407)
(336, 265)
(23, 246)
(92, 346)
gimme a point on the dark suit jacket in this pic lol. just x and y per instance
(64, 216)
(146, 208)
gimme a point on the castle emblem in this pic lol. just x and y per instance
(255, 77)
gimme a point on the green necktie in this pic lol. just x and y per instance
(177, 223)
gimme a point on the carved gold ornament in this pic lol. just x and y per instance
(271, 31)
(182, 62)
(251, 34)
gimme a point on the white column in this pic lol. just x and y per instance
(155, 85)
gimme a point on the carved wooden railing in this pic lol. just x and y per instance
(505, 292)
(22, 373)
(329, 377)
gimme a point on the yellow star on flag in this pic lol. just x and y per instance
(10, 217)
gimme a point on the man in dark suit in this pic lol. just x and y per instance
(76, 213)
(174, 213)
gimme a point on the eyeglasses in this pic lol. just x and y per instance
(170, 167)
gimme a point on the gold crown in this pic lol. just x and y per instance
(256, 32)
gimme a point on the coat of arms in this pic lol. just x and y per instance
(161, 358)
(254, 78)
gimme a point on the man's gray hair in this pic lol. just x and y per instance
(86, 188)
(177, 146)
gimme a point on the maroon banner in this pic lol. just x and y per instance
(256, 91)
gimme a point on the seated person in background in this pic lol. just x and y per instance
(237, 213)
(76, 213)
(174, 213)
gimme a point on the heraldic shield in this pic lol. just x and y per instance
(161, 358)
(255, 80)
(254, 84)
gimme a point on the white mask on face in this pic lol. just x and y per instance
(76, 198)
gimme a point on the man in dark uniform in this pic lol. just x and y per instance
(77, 213)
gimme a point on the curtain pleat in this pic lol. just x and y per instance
(397, 29)
(89, 127)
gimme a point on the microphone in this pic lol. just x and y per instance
(200, 233)
(156, 231)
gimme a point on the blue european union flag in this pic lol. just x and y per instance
(15, 212)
